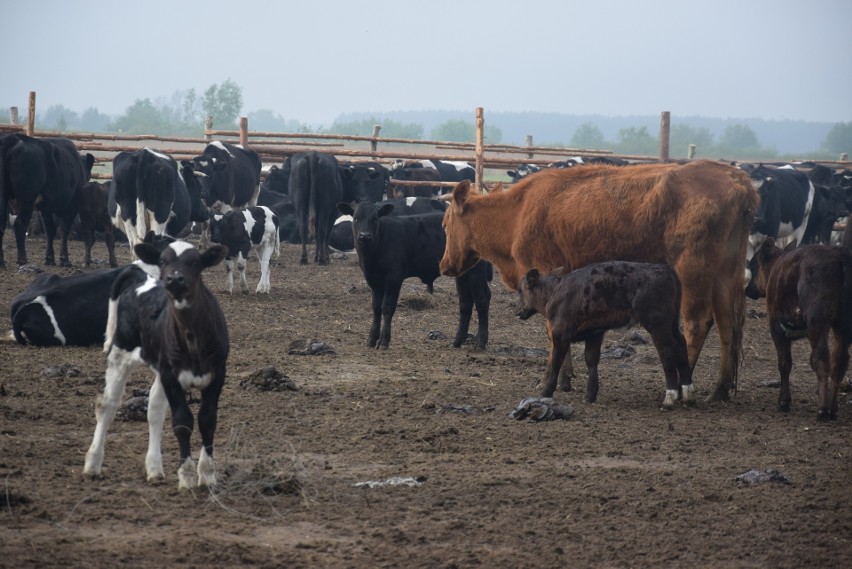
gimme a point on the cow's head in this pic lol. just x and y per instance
(278, 179)
(526, 294)
(460, 254)
(365, 220)
(760, 266)
(363, 182)
(198, 211)
(180, 268)
(767, 218)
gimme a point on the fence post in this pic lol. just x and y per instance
(480, 128)
(243, 131)
(13, 115)
(208, 125)
(31, 114)
(691, 152)
(665, 126)
(374, 144)
(529, 142)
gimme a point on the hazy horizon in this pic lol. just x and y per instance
(763, 60)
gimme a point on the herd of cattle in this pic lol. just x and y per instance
(591, 244)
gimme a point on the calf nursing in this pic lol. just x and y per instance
(583, 304)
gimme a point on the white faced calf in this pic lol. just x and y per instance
(243, 231)
(176, 327)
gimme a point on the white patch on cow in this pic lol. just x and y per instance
(248, 222)
(220, 146)
(218, 216)
(671, 398)
(157, 406)
(189, 380)
(186, 474)
(410, 201)
(206, 469)
(199, 174)
(150, 270)
(180, 247)
(181, 304)
(343, 219)
(688, 393)
(149, 284)
(158, 154)
(57, 333)
(459, 166)
(786, 167)
(203, 163)
(428, 164)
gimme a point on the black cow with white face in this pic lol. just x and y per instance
(45, 174)
(151, 183)
(231, 175)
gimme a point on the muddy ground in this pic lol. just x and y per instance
(621, 484)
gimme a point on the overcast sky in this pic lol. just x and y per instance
(311, 61)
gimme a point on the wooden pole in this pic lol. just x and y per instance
(374, 144)
(13, 115)
(31, 114)
(243, 131)
(665, 127)
(208, 126)
(529, 142)
(691, 152)
(480, 135)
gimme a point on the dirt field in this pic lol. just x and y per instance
(621, 484)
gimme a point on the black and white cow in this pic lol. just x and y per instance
(394, 248)
(522, 171)
(315, 189)
(786, 199)
(231, 175)
(364, 181)
(72, 310)
(94, 216)
(45, 174)
(242, 231)
(175, 326)
(150, 192)
(415, 174)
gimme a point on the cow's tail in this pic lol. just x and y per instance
(5, 183)
(313, 169)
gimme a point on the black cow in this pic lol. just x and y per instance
(830, 204)
(342, 239)
(417, 174)
(786, 199)
(72, 310)
(231, 175)
(175, 326)
(150, 192)
(522, 171)
(447, 172)
(45, 174)
(242, 231)
(394, 248)
(315, 189)
(282, 205)
(94, 216)
(277, 179)
(364, 181)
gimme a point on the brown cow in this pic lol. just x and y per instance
(582, 305)
(808, 292)
(695, 217)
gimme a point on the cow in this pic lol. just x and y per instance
(315, 189)
(695, 217)
(282, 206)
(94, 216)
(277, 179)
(522, 171)
(786, 199)
(175, 326)
(364, 181)
(808, 293)
(242, 231)
(393, 248)
(426, 170)
(231, 175)
(72, 310)
(581, 305)
(830, 204)
(45, 174)
(150, 192)
(414, 175)
(342, 239)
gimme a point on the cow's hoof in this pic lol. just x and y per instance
(720, 394)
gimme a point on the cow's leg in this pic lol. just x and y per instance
(182, 424)
(697, 315)
(566, 372)
(324, 227)
(465, 294)
(64, 258)
(119, 363)
(482, 300)
(821, 364)
(389, 302)
(157, 405)
(203, 234)
(785, 364)
(109, 238)
(229, 269)
(687, 389)
(22, 221)
(593, 357)
(558, 346)
(207, 415)
(667, 350)
(840, 363)
(303, 236)
(2, 257)
(87, 230)
(264, 256)
(50, 234)
(377, 294)
(241, 267)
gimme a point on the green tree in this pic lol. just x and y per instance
(739, 137)
(839, 138)
(635, 140)
(93, 120)
(266, 120)
(223, 102)
(142, 117)
(682, 135)
(390, 128)
(588, 136)
(60, 118)
(462, 131)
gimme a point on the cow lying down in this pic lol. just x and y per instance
(582, 305)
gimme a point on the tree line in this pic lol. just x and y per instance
(183, 114)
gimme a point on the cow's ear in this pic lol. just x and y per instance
(147, 253)
(460, 194)
(213, 255)
(345, 208)
(89, 162)
(386, 209)
(790, 246)
(532, 277)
